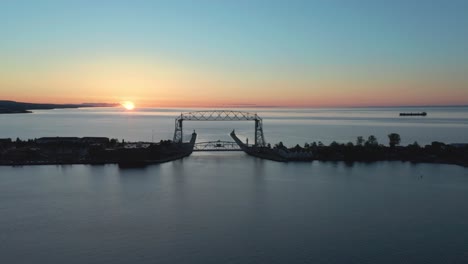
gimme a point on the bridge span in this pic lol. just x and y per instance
(216, 146)
(219, 115)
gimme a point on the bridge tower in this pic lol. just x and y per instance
(178, 132)
(259, 139)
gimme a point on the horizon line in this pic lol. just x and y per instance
(251, 105)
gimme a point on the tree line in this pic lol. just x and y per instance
(394, 140)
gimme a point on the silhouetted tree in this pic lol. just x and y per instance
(280, 145)
(413, 147)
(394, 139)
(360, 141)
(297, 148)
(372, 141)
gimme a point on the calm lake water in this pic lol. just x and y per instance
(232, 208)
(292, 126)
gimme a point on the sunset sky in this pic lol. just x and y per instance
(235, 53)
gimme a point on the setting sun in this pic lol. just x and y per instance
(128, 105)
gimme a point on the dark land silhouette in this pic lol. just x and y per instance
(12, 107)
(101, 150)
(90, 150)
(363, 150)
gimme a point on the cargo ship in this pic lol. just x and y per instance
(414, 114)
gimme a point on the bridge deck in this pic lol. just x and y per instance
(216, 146)
(200, 150)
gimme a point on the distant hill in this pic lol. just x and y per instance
(12, 107)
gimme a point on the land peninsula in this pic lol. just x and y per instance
(363, 150)
(12, 107)
(90, 150)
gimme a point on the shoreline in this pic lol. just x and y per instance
(101, 151)
(161, 161)
(90, 150)
(91, 163)
(436, 153)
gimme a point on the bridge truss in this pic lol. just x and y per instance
(220, 115)
(217, 146)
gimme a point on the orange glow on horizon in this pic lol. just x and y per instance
(158, 83)
(128, 105)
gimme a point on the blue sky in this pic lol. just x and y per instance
(363, 39)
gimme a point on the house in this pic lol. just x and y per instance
(5, 142)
